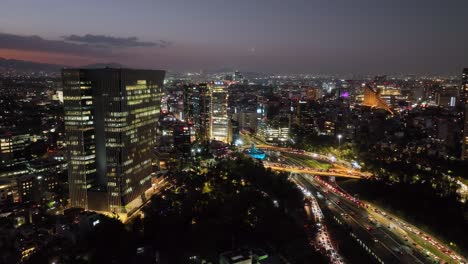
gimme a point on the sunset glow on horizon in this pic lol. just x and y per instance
(47, 57)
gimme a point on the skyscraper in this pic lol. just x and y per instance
(219, 117)
(464, 88)
(464, 101)
(197, 105)
(238, 77)
(111, 119)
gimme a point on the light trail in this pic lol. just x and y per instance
(322, 238)
(297, 169)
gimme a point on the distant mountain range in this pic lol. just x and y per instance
(21, 66)
(30, 66)
(103, 65)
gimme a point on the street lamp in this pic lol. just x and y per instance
(339, 140)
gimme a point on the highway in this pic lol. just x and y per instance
(404, 241)
(353, 221)
(390, 239)
(387, 245)
(421, 242)
(321, 241)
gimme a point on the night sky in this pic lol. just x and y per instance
(313, 36)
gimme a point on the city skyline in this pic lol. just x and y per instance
(233, 132)
(312, 36)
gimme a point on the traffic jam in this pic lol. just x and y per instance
(401, 224)
(320, 239)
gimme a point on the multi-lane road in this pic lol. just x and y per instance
(318, 233)
(354, 223)
(386, 238)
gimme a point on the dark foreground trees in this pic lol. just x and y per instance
(237, 203)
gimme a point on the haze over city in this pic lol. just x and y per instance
(362, 36)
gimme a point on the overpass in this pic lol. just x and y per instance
(341, 164)
(312, 155)
(341, 168)
(299, 169)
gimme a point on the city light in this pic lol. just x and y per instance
(147, 139)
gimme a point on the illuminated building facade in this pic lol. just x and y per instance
(328, 128)
(304, 116)
(12, 146)
(464, 89)
(447, 96)
(111, 119)
(182, 141)
(35, 187)
(313, 93)
(197, 105)
(191, 103)
(273, 134)
(219, 123)
(390, 94)
(373, 99)
(204, 115)
(464, 101)
(262, 107)
(465, 136)
(247, 120)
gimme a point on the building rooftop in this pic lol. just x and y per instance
(237, 256)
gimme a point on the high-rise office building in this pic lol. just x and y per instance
(465, 136)
(464, 102)
(219, 123)
(238, 77)
(205, 106)
(182, 142)
(197, 105)
(205, 110)
(111, 119)
(191, 102)
(464, 88)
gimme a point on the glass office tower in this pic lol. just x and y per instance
(219, 116)
(111, 119)
(464, 105)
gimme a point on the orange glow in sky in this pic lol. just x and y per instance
(47, 57)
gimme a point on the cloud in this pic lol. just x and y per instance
(36, 43)
(96, 46)
(103, 40)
